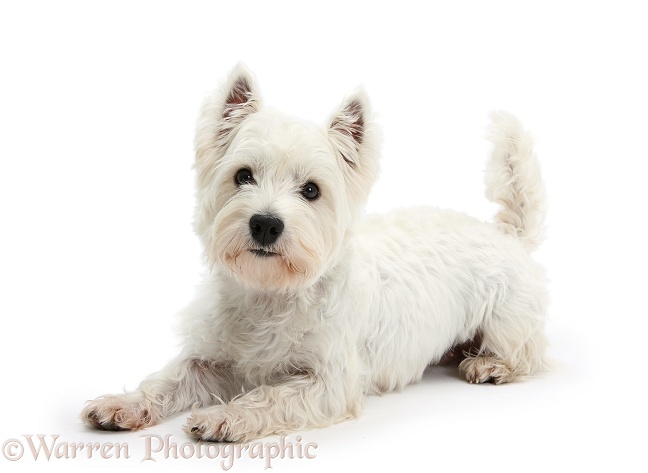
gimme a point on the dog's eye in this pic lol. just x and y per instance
(310, 191)
(244, 176)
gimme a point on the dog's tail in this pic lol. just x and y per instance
(513, 181)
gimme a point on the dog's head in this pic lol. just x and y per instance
(277, 196)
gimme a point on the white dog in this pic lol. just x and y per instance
(308, 308)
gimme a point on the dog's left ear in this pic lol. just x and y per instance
(354, 137)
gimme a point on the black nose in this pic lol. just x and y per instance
(265, 229)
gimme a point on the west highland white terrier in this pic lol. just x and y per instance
(308, 308)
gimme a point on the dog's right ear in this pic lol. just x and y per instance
(224, 111)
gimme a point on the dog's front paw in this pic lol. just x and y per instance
(119, 412)
(218, 424)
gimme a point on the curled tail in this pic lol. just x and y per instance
(513, 180)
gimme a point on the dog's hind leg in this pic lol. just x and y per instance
(513, 341)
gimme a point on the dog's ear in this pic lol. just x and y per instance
(224, 111)
(355, 139)
(347, 127)
(240, 96)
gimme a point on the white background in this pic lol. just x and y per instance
(98, 102)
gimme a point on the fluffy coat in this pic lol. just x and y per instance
(294, 334)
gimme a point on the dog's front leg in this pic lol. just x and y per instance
(184, 382)
(302, 401)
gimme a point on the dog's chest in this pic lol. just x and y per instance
(267, 338)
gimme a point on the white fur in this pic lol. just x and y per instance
(346, 307)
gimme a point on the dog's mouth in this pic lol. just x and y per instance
(263, 253)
